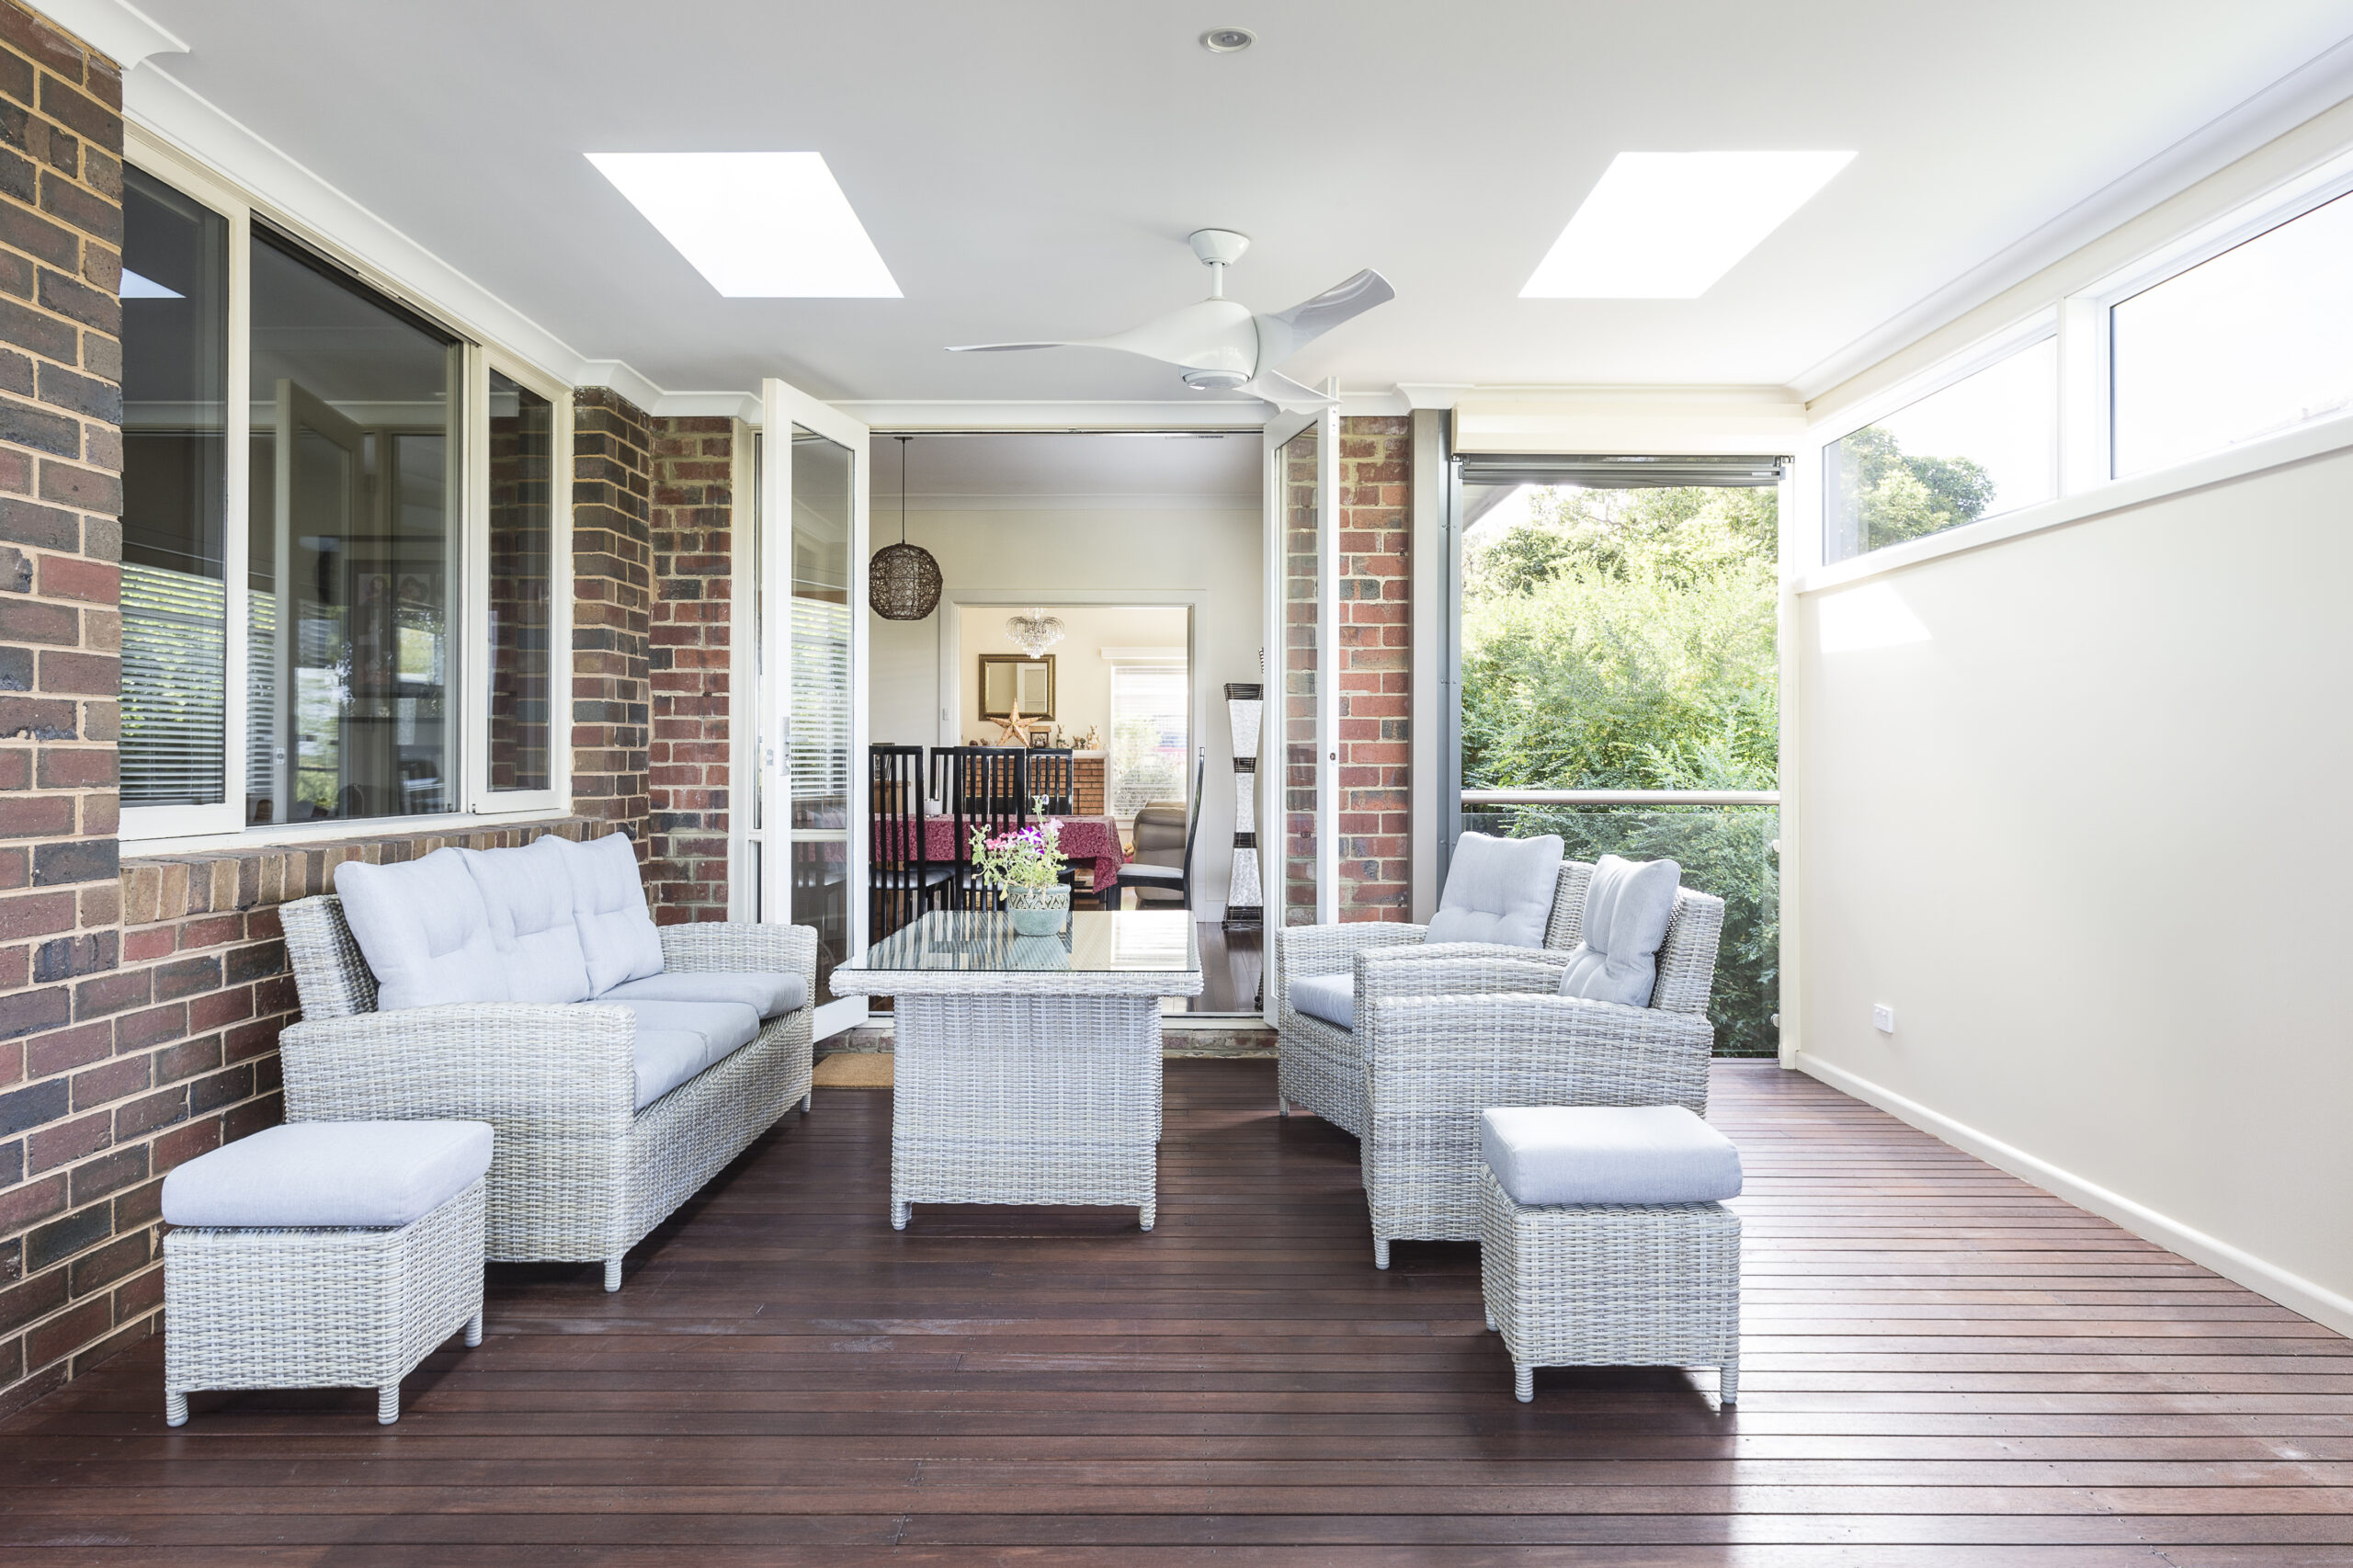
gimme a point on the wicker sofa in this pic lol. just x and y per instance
(609, 1113)
(1445, 1030)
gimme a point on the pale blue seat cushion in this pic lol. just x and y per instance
(1498, 890)
(677, 1040)
(329, 1175)
(1554, 1154)
(425, 930)
(617, 934)
(769, 996)
(1331, 997)
(528, 893)
(1627, 907)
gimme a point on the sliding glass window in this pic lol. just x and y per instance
(174, 496)
(1986, 444)
(2258, 340)
(521, 589)
(352, 523)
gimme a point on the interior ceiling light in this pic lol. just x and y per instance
(1034, 631)
(1667, 225)
(758, 226)
(1228, 41)
(903, 580)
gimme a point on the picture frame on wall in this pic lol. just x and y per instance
(1007, 677)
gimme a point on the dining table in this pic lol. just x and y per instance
(1087, 840)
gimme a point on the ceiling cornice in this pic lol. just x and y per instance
(121, 32)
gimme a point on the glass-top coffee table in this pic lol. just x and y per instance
(1028, 1068)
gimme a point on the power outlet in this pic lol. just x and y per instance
(1882, 1017)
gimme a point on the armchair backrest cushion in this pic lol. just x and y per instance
(529, 894)
(1498, 890)
(425, 930)
(1627, 906)
(617, 934)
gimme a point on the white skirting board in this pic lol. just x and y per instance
(2293, 1291)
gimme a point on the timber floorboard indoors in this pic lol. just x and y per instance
(1943, 1367)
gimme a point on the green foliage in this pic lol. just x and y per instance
(1625, 640)
(1894, 496)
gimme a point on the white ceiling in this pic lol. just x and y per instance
(1030, 167)
(948, 473)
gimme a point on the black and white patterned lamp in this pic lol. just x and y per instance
(1245, 903)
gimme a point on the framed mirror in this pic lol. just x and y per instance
(1006, 678)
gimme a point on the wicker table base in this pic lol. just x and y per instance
(1611, 1285)
(1025, 1099)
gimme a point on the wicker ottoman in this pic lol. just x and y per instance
(1601, 1243)
(323, 1254)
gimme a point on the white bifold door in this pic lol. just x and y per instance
(1299, 837)
(802, 834)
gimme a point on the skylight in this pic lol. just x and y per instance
(758, 226)
(1667, 225)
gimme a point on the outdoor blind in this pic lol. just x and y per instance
(1623, 473)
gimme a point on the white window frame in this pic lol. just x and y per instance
(2081, 321)
(157, 829)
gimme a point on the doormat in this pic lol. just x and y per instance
(854, 1070)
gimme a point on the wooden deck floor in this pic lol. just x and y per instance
(1942, 1367)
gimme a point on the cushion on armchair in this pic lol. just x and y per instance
(425, 930)
(1331, 997)
(617, 934)
(1627, 907)
(769, 996)
(529, 894)
(1498, 890)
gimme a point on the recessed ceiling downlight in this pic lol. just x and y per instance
(1228, 41)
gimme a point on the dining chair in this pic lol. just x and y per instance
(1052, 777)
(902, 879)
(982, 790)
(1160, 885)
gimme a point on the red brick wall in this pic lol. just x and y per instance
(612, 562)
(688, 664)
(1376, 652)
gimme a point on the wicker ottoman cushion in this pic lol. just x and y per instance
(1554, 1154)
(769, 996)
(361, 1175)
(1331, 997)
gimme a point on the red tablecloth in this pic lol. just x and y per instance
(1095, 839)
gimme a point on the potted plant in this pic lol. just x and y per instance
(1025, 868)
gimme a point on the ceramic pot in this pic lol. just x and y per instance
(1038, 911)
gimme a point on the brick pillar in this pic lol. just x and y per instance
(689, 667)
(74, 1208)
(1376, 657)
(612, 562)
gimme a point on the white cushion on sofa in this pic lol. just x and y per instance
(529, 894)
(1331, 997)
(1550, 1154)
(677, 1040)
(425, 930)
(770, 996)
(1498, 890)
(1627, 907)
(361, 1175)
(617, 935)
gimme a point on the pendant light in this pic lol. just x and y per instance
(1034, 631)
(903, 580)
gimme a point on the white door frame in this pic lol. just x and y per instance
(783, 406)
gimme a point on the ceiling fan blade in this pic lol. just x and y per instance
(1287, 394)
(1284, 332)
(1004, 347)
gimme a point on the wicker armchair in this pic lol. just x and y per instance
(579, 1175)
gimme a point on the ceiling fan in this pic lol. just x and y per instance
(1219, 344)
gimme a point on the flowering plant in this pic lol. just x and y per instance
(1031, 857)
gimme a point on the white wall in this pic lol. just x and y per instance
(2089, 840)
(1082, 676)
(1058, 555)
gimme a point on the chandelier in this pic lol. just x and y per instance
(1034, 631)
(903, 580)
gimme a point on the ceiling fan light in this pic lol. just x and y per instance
(1214, 381)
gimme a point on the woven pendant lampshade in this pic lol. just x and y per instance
(903, 580)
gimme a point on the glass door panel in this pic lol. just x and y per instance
(1296, 463)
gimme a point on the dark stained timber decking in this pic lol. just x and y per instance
(1943, 1367)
